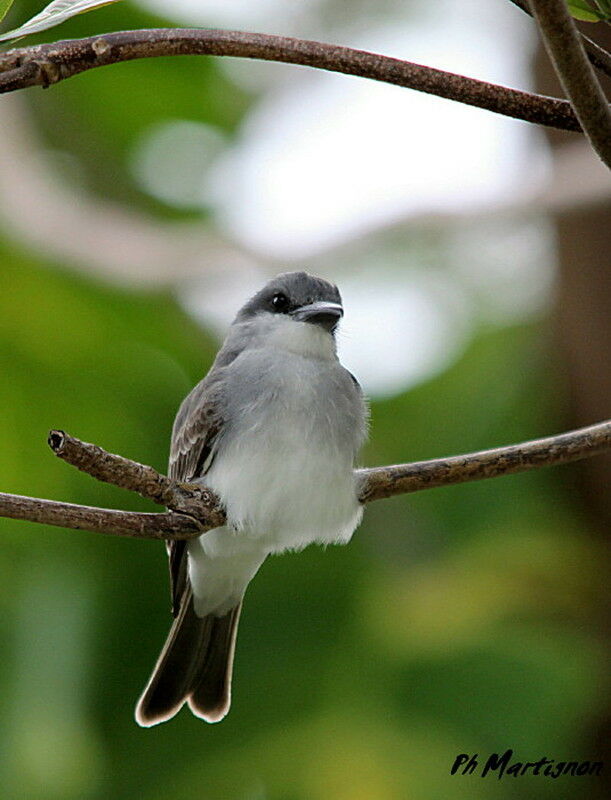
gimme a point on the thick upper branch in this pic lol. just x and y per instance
(597, 55)
(44, 64)
(562, 42)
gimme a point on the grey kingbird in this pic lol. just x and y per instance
(273, 429)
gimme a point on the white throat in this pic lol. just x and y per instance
(301, 338)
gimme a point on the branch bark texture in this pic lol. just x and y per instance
(194, 509)
(46, 64)
(381, 482)
(99, 520)
(188, 498)
(564, 47)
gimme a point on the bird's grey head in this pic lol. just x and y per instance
(299, 297)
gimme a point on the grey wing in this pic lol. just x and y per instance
(194, 436)
(360, 413)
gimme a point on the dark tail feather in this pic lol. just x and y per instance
(210, 694)
(195, 665)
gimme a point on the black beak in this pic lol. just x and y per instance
(327, 315)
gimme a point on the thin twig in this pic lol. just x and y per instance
(597, 55)
(202, 510)
(42, 65)
(186, 498)
(99, 520)
(561, 39)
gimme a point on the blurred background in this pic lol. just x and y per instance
(140, 205)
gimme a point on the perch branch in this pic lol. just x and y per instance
(99, 520)
(199, 510)
(597, 55)
(186, 498)
(42, 65)
(380, 482)
(563, 45)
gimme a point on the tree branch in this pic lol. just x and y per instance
(381, 482)
(199, 510)
(561, 39)
(42, 65)
(99, 520)
(185, 498)
(597, 55)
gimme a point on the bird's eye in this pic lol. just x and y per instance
(280, 302)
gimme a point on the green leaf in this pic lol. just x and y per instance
(54, 14)
(605, 7)
(4, 7)
(582, 10)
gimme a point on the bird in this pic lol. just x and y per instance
(274, 430)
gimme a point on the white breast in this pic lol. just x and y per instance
(284, 464)
(285, 484)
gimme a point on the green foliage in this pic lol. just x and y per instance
(456, 621)
(54, 14)
(596, 11)
(95, 122)
(4, 8)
